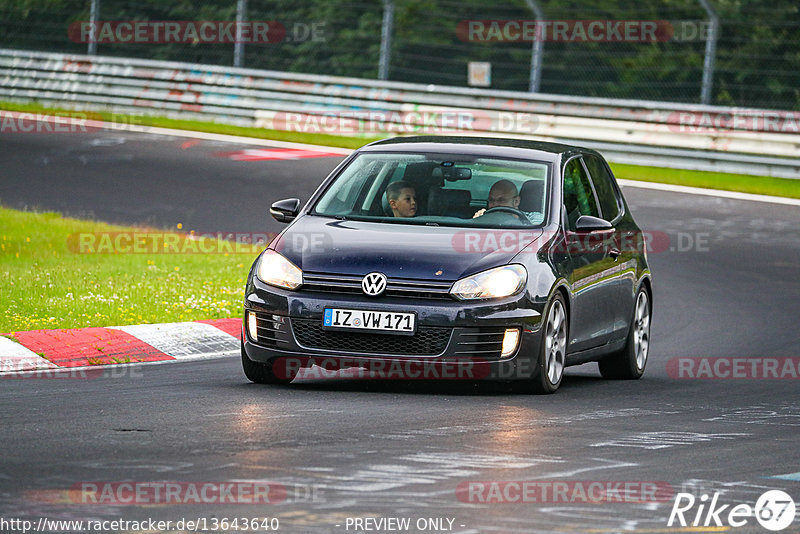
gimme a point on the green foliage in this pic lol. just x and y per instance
(757, 60)
(745, 183)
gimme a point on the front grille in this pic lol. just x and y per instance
(395, 287)
(485, 342)
(427, 341)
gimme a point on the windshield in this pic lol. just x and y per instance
(446, 190)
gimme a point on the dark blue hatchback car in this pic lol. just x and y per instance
(450, 257)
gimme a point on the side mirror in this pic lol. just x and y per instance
(285, 210)
(587, 223)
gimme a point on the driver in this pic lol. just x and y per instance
(502, 193)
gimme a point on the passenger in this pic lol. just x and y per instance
(402, 199)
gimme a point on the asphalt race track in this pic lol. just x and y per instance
(727, 286)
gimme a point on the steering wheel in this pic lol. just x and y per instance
(508, 209)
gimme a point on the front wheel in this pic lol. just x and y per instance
(629, 363)
(553, 350)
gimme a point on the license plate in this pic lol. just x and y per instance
(376, 321)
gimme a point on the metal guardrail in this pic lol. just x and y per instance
(628, 131)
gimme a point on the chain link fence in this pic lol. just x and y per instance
(748, 51)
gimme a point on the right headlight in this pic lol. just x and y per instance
(495, 283)
(275, 270)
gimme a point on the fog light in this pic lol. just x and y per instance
(252, 326)
(510, 341)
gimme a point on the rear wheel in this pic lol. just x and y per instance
(629, 363)
(261, 373)
(553, 350)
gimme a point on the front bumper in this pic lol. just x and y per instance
(463, 337)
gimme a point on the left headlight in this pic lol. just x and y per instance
(275, 270)
(495, 283)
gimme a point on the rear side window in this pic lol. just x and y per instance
(606, 192)
(579, 196)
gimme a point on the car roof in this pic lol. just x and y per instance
(497, 146)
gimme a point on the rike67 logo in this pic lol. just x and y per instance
(774, 510)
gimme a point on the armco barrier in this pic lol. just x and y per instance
(651, 133)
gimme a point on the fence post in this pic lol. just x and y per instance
(94, 14)
(711, 52)
(538, 48)
(238, 46)
(386, 39)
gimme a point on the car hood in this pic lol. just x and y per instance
(321, 244)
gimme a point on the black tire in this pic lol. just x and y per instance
(630, 362)
(261, 373)
(552, 358)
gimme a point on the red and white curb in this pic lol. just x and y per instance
(118, 345)
(14, 356)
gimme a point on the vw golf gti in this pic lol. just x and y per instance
(451, 257)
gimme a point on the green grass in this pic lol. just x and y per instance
(761, 185)
(46, 282)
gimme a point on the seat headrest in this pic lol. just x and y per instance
(387, 209)
(450, 202)
(531, 195)
(421, 174)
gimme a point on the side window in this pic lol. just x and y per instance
(578, 194)
(343, 196)
(606, 192)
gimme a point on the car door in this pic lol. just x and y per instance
(594, 268)
(612, 210)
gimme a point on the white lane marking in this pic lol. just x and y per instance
(761, 415)
(265, 154)
(185, 340)
(664, 440)
(215, 137)
(710, 192)
(15, 357)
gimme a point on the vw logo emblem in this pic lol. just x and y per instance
(374, 284)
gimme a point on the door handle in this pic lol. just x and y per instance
(614, 253)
